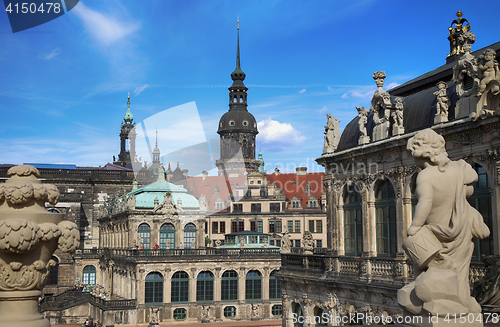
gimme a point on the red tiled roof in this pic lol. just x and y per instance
(294, 185)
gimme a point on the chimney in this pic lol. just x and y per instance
(301, 171)
(204, 175)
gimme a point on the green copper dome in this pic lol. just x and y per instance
(128, 117)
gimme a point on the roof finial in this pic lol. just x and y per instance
(156, 144)
(238, 50)
(459, 14)
(128, 95)
(238, 23)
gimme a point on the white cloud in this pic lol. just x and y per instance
(54, 53)
(322, 110)
(392, 85)
(302, 91)
(139, 90)
(278, 136)
(105, 28)
(363, 93)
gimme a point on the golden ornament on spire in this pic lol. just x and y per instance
(459, 14)
(128, 95)
(238, 23)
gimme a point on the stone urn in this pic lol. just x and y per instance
(29, 235)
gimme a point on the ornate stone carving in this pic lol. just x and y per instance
(442, 103)
(381, 107)
(29, 234)
(166, 207)
(332, 134)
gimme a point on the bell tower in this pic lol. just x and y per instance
(237, 127)
(127, 139)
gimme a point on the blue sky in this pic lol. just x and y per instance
(64, 84)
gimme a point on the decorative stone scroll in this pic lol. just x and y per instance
(29, 235)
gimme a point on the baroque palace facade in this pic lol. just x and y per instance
(161, 246)
(370, 182)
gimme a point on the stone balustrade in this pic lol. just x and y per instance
(380, 269)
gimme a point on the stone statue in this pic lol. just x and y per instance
(397, 117)
(265, 241)
(440, 236)
(179, 204)
(332, 134)
(488, 68)
(363, 119)
(442, 104)
(487, 289)
(242, 241)
(167, 243)
(218, 243)
(203, 203)
(308, 242)
(286, 244)
(381, 107)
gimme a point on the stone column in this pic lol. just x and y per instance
(241, 285)
(217, 285)
(265, 285)
(192, 287)
(166, 286)
(141, 285)
(29, 235)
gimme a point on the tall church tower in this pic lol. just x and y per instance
(237, 127)
(127, 139)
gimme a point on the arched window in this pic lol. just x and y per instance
(229, 286)
(253, 285)
(318, 317)
(190, 236)
(144, 232)
(205, 287)
(481, 200)
(88, 276)
(180, 287)
(54, 273)
(385, 206)
(353, 222)
(274, 287)
(167, 232)
(297, 310)
(153, 292)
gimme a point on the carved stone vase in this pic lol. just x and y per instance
(29, 235)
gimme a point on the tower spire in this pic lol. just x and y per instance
(238, 47)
